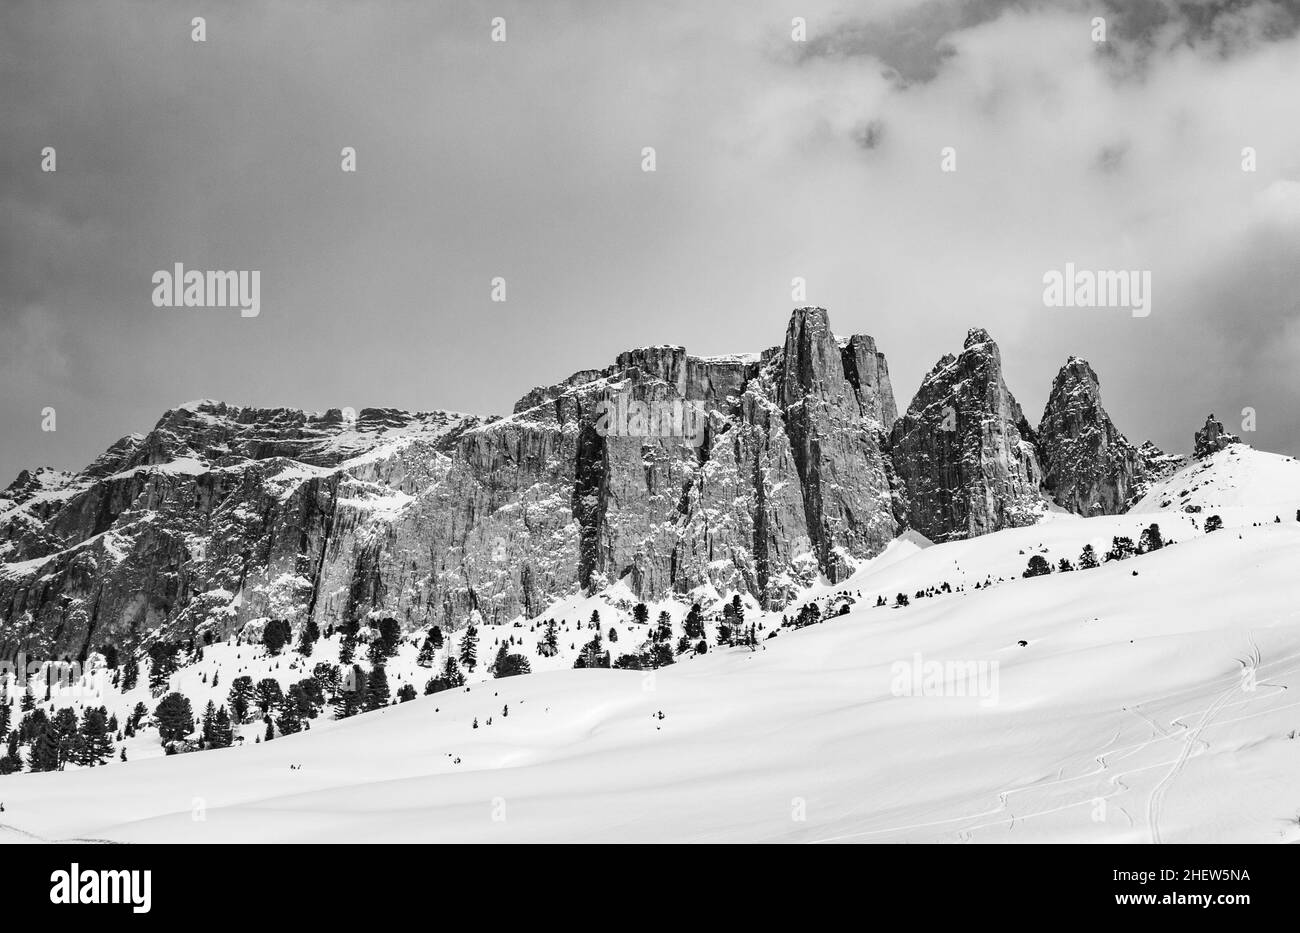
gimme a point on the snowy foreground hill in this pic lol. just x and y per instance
(1150, 699)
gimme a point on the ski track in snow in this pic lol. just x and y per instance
(1156, 797)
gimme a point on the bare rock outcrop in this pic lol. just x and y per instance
(964, 452)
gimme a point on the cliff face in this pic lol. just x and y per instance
(1089, 467)
(964, 452)
(679, 475)
(671, 471)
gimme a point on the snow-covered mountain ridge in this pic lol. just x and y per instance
(793, 463)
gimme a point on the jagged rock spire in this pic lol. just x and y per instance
(964, 452)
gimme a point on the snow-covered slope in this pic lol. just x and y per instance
(1149, 699)
(1241, 484)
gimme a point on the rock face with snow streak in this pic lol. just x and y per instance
(964, 452)
(1089, 467)
(1212, 438)
(669, 471)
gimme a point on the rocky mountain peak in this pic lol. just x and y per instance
(1212, 438)
(964, 452)
(811, 362)
(673, 473)
(977, 337)
(222, 516)
(1089, 467)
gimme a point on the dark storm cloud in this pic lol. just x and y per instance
(911, 42)
(914, 43)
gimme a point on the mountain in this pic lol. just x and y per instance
(1017, 690)
(681, 474)
(1089, 467)
(964, 452)
(676, 476)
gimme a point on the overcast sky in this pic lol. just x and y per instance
(522, 159)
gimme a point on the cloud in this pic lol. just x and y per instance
(775, 159)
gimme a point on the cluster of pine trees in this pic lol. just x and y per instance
(732, 629)
(54, 743)
(1122, 548)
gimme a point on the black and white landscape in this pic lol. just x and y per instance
(688, 564)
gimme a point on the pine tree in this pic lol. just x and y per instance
(549, 646)
(1038, 567)
(664, 630)
(1122, 548)
(267, 695)
(209, 722)
(289, 721)
(95, 746)
(308, 637)
(451, 673)
(308, 696)
(406, 694)
(28, 702)
(1087, 558)
(428, 653)
(162, 664)
(4, 716)
(130, 674)
(348, 701)
(11, 762)
(377, 693)
(695, 623)
(175, 717)
(44, 753)
(276, 635)
(390, 636)
(592, 654)
(469, 647)
(507, 664)
(66, 732)
(223, 733)
(1150, 539)
(640, 614)
(328, 676)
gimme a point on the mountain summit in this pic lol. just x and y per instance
(679, 476)
(964, 451)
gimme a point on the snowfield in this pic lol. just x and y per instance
(1153, 699)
